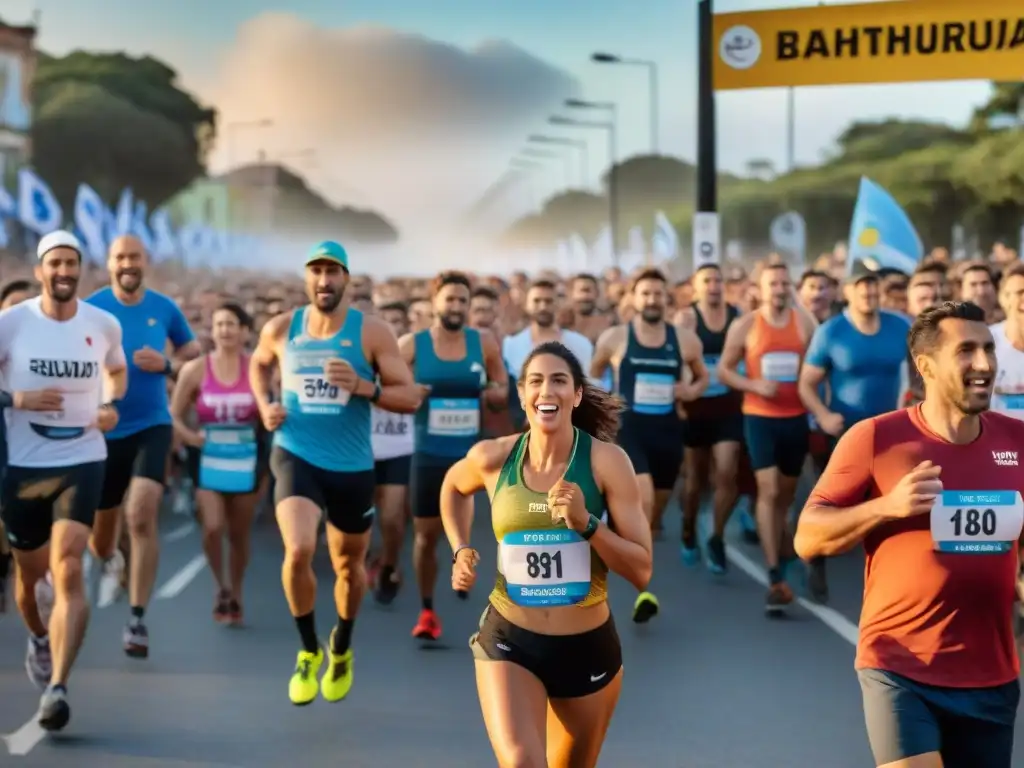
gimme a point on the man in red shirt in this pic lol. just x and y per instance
(934, 492)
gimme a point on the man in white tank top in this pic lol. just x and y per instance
(62, 362)
(1008, 394)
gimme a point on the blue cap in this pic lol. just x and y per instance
(328, 250)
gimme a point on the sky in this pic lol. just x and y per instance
(416, 107)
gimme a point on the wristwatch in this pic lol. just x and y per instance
(455, 555)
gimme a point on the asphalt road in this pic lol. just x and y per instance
(710, 683)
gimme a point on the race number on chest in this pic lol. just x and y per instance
(977, 522)
(545, 568)
(783, 367)
(654, 393)
(453, 417)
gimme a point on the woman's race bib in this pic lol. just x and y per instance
(654, 393)
(227, 462)
(453, 417)
(783, 367)
(545, 568)
(977, 522)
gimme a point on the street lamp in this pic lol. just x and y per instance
(580, 144)
(652, 80)
(613, 184)
(232, 128)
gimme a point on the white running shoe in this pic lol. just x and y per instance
(111, 575)
(38, 661)
(44, 598)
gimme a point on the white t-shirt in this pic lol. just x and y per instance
(38, 352)
(515, 350)
(1008, 397)
(391, 434)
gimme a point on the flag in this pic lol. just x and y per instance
(664, 240)
(881, 233)
(124, 213)
(8, 210)
(38, 209)
(788, 234)
(164, 244)
(140, 228)
(90, 220)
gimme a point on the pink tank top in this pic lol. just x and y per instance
(220, 403)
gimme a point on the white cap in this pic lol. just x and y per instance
(58, 239)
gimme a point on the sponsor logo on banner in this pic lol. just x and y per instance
(706, 240)
(887, 42)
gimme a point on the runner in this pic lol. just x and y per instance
(541, 305)
(483, 310)
(138, 446)
(649, 359)
(15, 292)
(771, 342)
(547, 650)
(60, 358)
(934, 493)
(714, 431)
(978, 285)
(421, 314)
(924, 292)
(1009, 337)
(584, 291)
(393, 442)
(227, 457)
(322, 458)
(859, 355)
(455, 364)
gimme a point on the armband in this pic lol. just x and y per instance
(6, 400)
(168, 368)
(377, 392)
(592, 525)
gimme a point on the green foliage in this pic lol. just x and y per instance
(114, 121)
(940, 174)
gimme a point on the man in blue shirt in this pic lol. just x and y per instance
(860, 355)
(137, 448)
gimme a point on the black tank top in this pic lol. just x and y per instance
(648, 375)
(718, 399)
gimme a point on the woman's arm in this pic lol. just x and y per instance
(627, 549)
(183, 399)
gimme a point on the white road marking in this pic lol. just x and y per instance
(23, 740)
(177, 583)
(179, 533)
(830, 617)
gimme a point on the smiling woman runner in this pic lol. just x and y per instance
(227, 458)
(547, 636)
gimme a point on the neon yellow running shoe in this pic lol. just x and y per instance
(337, 680)
(302, 687)
(645, 608)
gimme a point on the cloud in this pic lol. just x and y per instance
(414, 127)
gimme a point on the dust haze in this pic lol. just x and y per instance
(412, 127)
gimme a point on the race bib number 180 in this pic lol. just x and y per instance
(977, 522)
(545, 568)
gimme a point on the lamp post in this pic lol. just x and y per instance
(652, 84)
(609, 126)
(580, 144)
(232, 129)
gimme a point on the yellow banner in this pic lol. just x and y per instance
(891, 42)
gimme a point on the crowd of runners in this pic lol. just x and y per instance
(580, 405)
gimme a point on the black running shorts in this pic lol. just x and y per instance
(143, 454)
(346, 496)
(393, 471)
(33, 498)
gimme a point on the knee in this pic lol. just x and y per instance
(425, 540)
(67, 575)
(349, 569)
(518, 756)
(299, 557)
(725, 478)
(213, 530)
(141, 526)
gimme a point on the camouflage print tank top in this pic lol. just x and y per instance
(542, 564)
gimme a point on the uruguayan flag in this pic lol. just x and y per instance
(38, 209)
(164, 244)
(90, 217)
(881, 233)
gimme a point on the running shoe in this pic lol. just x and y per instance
(44, 598)
(39, 661)
(428, 627)
(337, 680)
(221, 607)
(136, 640)
(779, 597)
(716, 561)
(236, 616)
(303, 686)
(54, 712)
(690, 555)
(112, 576)
(386, 585)
(645, 608)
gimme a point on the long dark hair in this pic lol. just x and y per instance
(598, 411)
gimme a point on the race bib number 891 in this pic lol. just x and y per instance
(545, 568)
(977, 522)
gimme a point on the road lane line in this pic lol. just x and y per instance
(830, 617)
(23, 740)
(179, 533)
(179, 581)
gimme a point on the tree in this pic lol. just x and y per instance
(113, 121)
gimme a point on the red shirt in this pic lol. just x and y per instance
(937, 618)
